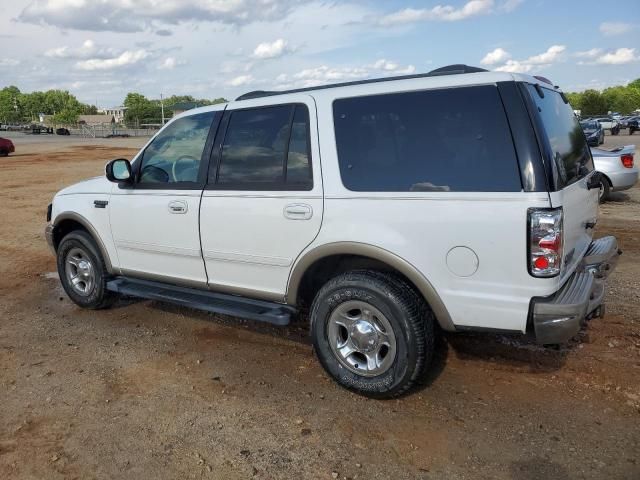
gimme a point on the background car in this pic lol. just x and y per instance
(610, 124)
(633, 124)
(6, 147)
(62, 131)
(593, 131)
(617, 167)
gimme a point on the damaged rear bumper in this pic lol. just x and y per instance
(558, 318)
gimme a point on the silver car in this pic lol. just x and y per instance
(617, 167)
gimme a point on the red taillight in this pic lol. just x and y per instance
(545, 242)
(627, 160)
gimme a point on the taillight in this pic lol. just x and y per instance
(545, 241)
(627, 160)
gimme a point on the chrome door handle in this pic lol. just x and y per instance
(298, 211)
(178, 206)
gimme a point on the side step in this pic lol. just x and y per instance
(258, 310)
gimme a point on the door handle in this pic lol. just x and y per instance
(178, 206)
(298, 211)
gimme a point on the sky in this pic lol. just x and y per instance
(100, 50)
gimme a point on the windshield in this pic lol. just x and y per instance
(590, 125)
(571, 155)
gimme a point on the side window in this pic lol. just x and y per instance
(571, 153)
(298, 161)
(174, 156)
(266, 149)
(449, 140)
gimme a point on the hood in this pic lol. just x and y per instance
(92, 185)
(590, 132)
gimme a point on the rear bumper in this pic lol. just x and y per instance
(558, 318)
(623, 180)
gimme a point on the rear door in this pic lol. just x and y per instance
(570, 164)
(263, 202)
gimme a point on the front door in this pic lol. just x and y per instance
(155, 223)
(263, 202)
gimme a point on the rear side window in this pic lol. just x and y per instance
(571, 155)
(266, 148)
(453, 140)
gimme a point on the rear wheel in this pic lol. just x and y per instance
(372, 333)
(82, 271)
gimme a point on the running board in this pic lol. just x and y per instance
(259, 310)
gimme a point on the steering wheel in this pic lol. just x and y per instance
(175, 171)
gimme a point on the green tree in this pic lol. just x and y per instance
(592, 103)
(141, 110)
(10, 105)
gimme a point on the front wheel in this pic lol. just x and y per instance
(82, 271)
(372, 333)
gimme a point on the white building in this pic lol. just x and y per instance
(116, 112)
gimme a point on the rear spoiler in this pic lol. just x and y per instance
(615, 152)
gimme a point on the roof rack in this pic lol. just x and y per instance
(455, 69)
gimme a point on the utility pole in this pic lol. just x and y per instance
(162, 108)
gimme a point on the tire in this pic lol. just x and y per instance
(76, 250)
(4, 153)
(393, 307)
(605, 189)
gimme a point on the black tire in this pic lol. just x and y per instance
(409, 316)
(98, 296)
(4, 153)
(605, 189)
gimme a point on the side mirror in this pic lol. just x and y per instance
(119, 171)
(594, 181)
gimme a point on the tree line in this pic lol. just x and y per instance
(64, 108)
(141, 110)
(17, 107)
(620, 99)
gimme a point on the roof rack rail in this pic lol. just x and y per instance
(455, 69)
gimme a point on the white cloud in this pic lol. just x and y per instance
(610, 29)
(170, 63)
(446, 13)
(594, 52)
(550, 56)
(499, 55)
(620, 56)
(136, 15)
(311, 77)
(9, 62)
(88, 49)
(273, 49)
(126, 58)
(241, 80)
(542, 60)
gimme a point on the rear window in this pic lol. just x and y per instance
(571, 155)
(453, 140)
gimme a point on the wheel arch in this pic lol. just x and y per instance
(67, 222)
(306, 265)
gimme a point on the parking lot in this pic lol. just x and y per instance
(148, 390)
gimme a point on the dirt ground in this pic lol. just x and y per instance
(148, 390)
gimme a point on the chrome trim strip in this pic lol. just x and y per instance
(154, 248)
(246, 258)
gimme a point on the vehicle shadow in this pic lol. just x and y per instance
(617, 197)
(517, 351)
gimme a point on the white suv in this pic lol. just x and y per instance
(460, 199)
